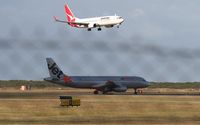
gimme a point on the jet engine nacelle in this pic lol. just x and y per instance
(109, 26)
(120, 89)
(92, 25)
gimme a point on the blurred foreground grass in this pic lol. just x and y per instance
(110, 109)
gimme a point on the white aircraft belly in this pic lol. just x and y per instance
(105, 23)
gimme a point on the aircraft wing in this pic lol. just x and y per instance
(103, 85)
(110, 86)
(58, 20)
(77, 23)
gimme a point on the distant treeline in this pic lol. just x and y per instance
(18, 83)
(176, 85)
(44, 84)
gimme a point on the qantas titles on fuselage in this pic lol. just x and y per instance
(89, 23)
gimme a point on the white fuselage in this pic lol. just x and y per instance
(107, 21)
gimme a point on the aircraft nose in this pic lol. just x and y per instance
(147, 84)
(122, 20)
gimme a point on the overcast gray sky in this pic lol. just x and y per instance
(165, 22)
(157, 36)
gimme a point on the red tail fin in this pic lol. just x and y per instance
(69, 14)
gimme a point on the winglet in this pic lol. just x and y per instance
(56, 18)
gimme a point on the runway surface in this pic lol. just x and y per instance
(78, 92)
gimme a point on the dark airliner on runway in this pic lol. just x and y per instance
(99, 83)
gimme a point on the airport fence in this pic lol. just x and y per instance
(24, 58)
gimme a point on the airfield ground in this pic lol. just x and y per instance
(42, 107)
(156, 106)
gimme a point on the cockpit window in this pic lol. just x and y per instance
(119, 17)
(143, 80)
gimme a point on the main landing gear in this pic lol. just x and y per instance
(135, 92)
(99, 29)
(96, 92)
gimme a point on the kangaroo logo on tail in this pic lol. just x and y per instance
(70, 15)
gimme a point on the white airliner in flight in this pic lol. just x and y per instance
(89, 23)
